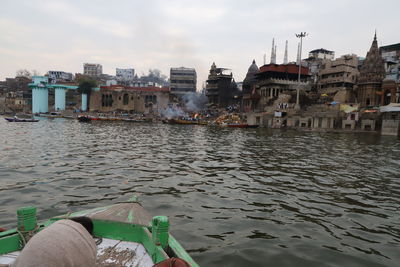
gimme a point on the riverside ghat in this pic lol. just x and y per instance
(40, 95)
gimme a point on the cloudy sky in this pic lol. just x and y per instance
(142, 34)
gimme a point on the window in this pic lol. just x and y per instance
(126, 99)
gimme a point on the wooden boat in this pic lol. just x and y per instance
(125, 234)
(134, 120)
(84, 118)
(186, 122)
(51, 115)
(20, 120)
(241, 125)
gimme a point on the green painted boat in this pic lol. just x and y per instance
(125, 234)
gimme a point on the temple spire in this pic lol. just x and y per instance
(273, 55)
(285, 58)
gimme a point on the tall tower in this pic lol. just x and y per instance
(273, 52)
(285, 58)
(372, 73)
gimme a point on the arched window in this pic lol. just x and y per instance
(110, 100)
(126, 99)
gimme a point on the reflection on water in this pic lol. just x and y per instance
(236, 197)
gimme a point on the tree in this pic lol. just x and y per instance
(23, 73)
(85, 87)
(26, 73)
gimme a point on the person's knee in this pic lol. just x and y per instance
(85, 222)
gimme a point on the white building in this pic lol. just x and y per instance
(125, 75)
(183, 80)
(322, 54)
(59, 76)
(93, 70)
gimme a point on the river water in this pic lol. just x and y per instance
(235, 197)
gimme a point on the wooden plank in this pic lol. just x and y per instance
(121, 253)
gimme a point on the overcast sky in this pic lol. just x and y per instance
(142, 34)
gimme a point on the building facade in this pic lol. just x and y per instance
(322, 54)
(316, 58)
(391, 83)
(221, 89)
(125, 75)
(372, 73)
(149, 100)
(183, 80)
(274, 79)
(59, 76)
(339, 77)
(92, 70)
(250, 96)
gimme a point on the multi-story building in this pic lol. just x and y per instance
(221, 89)
(372, 73)
(339, 77)
(59, 76)
(274, 79)
(391, 56)
(322, 54)
(316, 58)
(125, 75)
(391, 83)
(93, 70)
(183, 80)
(149, 99)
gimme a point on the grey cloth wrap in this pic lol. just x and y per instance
(65, 243)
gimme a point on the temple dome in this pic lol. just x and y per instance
(253, 68)
(250, 79)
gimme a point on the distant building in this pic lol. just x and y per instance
(221, 89)
(372, 73)
(275, 79)
(92, 70)
(339, 77)
(249, 93)
(391, 56)
(316, 58)
(147, 100)
(322, 54)
(391, 83)
(59, 76)
(183, 80)
(125, 75)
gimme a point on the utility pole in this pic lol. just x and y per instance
(300, 35)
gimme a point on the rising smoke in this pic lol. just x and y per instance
(191, 102)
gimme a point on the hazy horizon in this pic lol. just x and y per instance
(62, 35)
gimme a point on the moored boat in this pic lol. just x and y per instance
(51, 115)
(241, 125)
(186, 122)
(126, 235)
(84, 118)
(15, 119)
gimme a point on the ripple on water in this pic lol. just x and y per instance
(235, 197)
